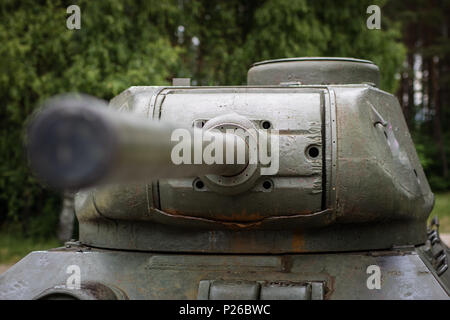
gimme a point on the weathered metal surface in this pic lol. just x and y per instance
(133, 275)
(260, 290)
(295, 113)
(340, 192)
(66, 218)
(356, 204)
(313, 71)
(435, 255)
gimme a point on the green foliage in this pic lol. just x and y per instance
(14, 246)
(119, 44)
(125, 43)
(429, 156)
(234, 34)
(424, 82)
(442, 210)
(326, 28)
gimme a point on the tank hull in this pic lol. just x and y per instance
(107, 274)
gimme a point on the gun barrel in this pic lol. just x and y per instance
(76, 143)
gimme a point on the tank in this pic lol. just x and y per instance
(303, 184)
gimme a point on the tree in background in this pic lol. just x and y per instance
(120, 43)
(233, 34)
(424, 91)
(125, 43)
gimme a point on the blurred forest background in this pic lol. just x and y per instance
(124, 43)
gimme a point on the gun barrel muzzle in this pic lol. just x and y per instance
(75, 143)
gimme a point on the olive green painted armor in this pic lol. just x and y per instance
(349, 199)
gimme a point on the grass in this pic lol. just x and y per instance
(442, 210)
(14, 247)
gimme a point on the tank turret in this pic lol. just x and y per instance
(346, 168)
(289, 187)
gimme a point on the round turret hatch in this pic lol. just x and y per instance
(314, 71)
